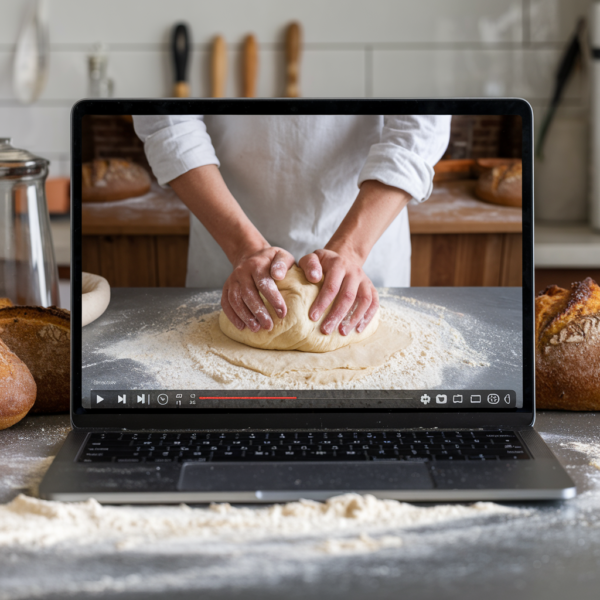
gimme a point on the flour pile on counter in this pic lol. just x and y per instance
(33, 524)
(181, 358)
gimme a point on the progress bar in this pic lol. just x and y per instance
(247, 397)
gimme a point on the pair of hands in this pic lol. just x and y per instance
(354, 297)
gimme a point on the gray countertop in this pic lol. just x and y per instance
(489, 319)
(552, 552)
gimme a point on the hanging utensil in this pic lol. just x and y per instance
(567, 65)
(30, 67)
(293, 42)
(180, 49)
(218, 67)
(249, 67)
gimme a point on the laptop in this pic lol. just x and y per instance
(157, 411)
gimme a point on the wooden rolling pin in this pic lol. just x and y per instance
(180, 48)
(293, 42)
(249, 67)
(218, 68)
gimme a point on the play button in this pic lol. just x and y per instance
(99, 399)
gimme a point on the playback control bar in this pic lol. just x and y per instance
(399, 399)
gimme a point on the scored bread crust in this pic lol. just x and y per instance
(502, 184)
(110, 179)
(41, 337)
(17, 388)
(567, 335)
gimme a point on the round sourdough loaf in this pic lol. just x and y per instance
(41, 338)
(106, 180)
(501, 184)
(17, 388)
(567, 333)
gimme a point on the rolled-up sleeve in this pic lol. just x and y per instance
(410, 146)
(174, 144)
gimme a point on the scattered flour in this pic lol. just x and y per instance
(180, 358)
(362, 543)
(29, 523)
(592, 451)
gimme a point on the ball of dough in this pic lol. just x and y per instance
(95, 297)
(295, 331)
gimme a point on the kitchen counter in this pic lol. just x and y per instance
(159, 212)
(454, 208)
(456, 239)
(488, 318)
(551, 552)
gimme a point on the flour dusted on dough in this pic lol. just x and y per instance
(296, 331)
(342, 365)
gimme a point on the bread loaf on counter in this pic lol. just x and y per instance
(17, 388)
(567, 334)
(502, 184)
(41, 338)
(106, 180)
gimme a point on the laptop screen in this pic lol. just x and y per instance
(301, 261)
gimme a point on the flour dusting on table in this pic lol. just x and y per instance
(180, 357)
(35, 524)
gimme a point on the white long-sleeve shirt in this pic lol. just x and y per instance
(297, 176)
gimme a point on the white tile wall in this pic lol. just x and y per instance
(351, 48)
(522, 72)
(327, 21)
(554, 20)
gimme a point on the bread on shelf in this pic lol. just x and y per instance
(41, 338)
(567, 334)
(501, 184)
(17, 388)
(106, 180)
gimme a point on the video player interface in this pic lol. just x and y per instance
(302, 262)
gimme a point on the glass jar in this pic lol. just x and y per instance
(28, 272)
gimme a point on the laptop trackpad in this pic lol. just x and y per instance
(251, 476)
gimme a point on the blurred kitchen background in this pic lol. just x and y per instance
(350, 48)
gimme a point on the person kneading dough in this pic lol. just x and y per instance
(295, 331)
(327, 193)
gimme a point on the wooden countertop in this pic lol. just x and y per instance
(159, 212)
(452, 208)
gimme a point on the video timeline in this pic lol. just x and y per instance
(202, 399)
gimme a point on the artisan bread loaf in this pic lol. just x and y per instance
(502, 184)
(17, 388)
(567, 333)
(4, 302)
(41, 337)
(105, 180)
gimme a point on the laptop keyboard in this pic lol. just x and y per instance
(302, 446)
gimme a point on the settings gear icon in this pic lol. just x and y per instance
(425, 399)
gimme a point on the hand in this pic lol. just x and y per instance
(356, 299)
(254, 273)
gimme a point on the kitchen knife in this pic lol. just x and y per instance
(249, 67)
(218, 67)
(293, 41)
(180, 48)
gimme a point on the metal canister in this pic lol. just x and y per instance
(28, 272)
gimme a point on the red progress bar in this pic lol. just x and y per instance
(247, 398)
